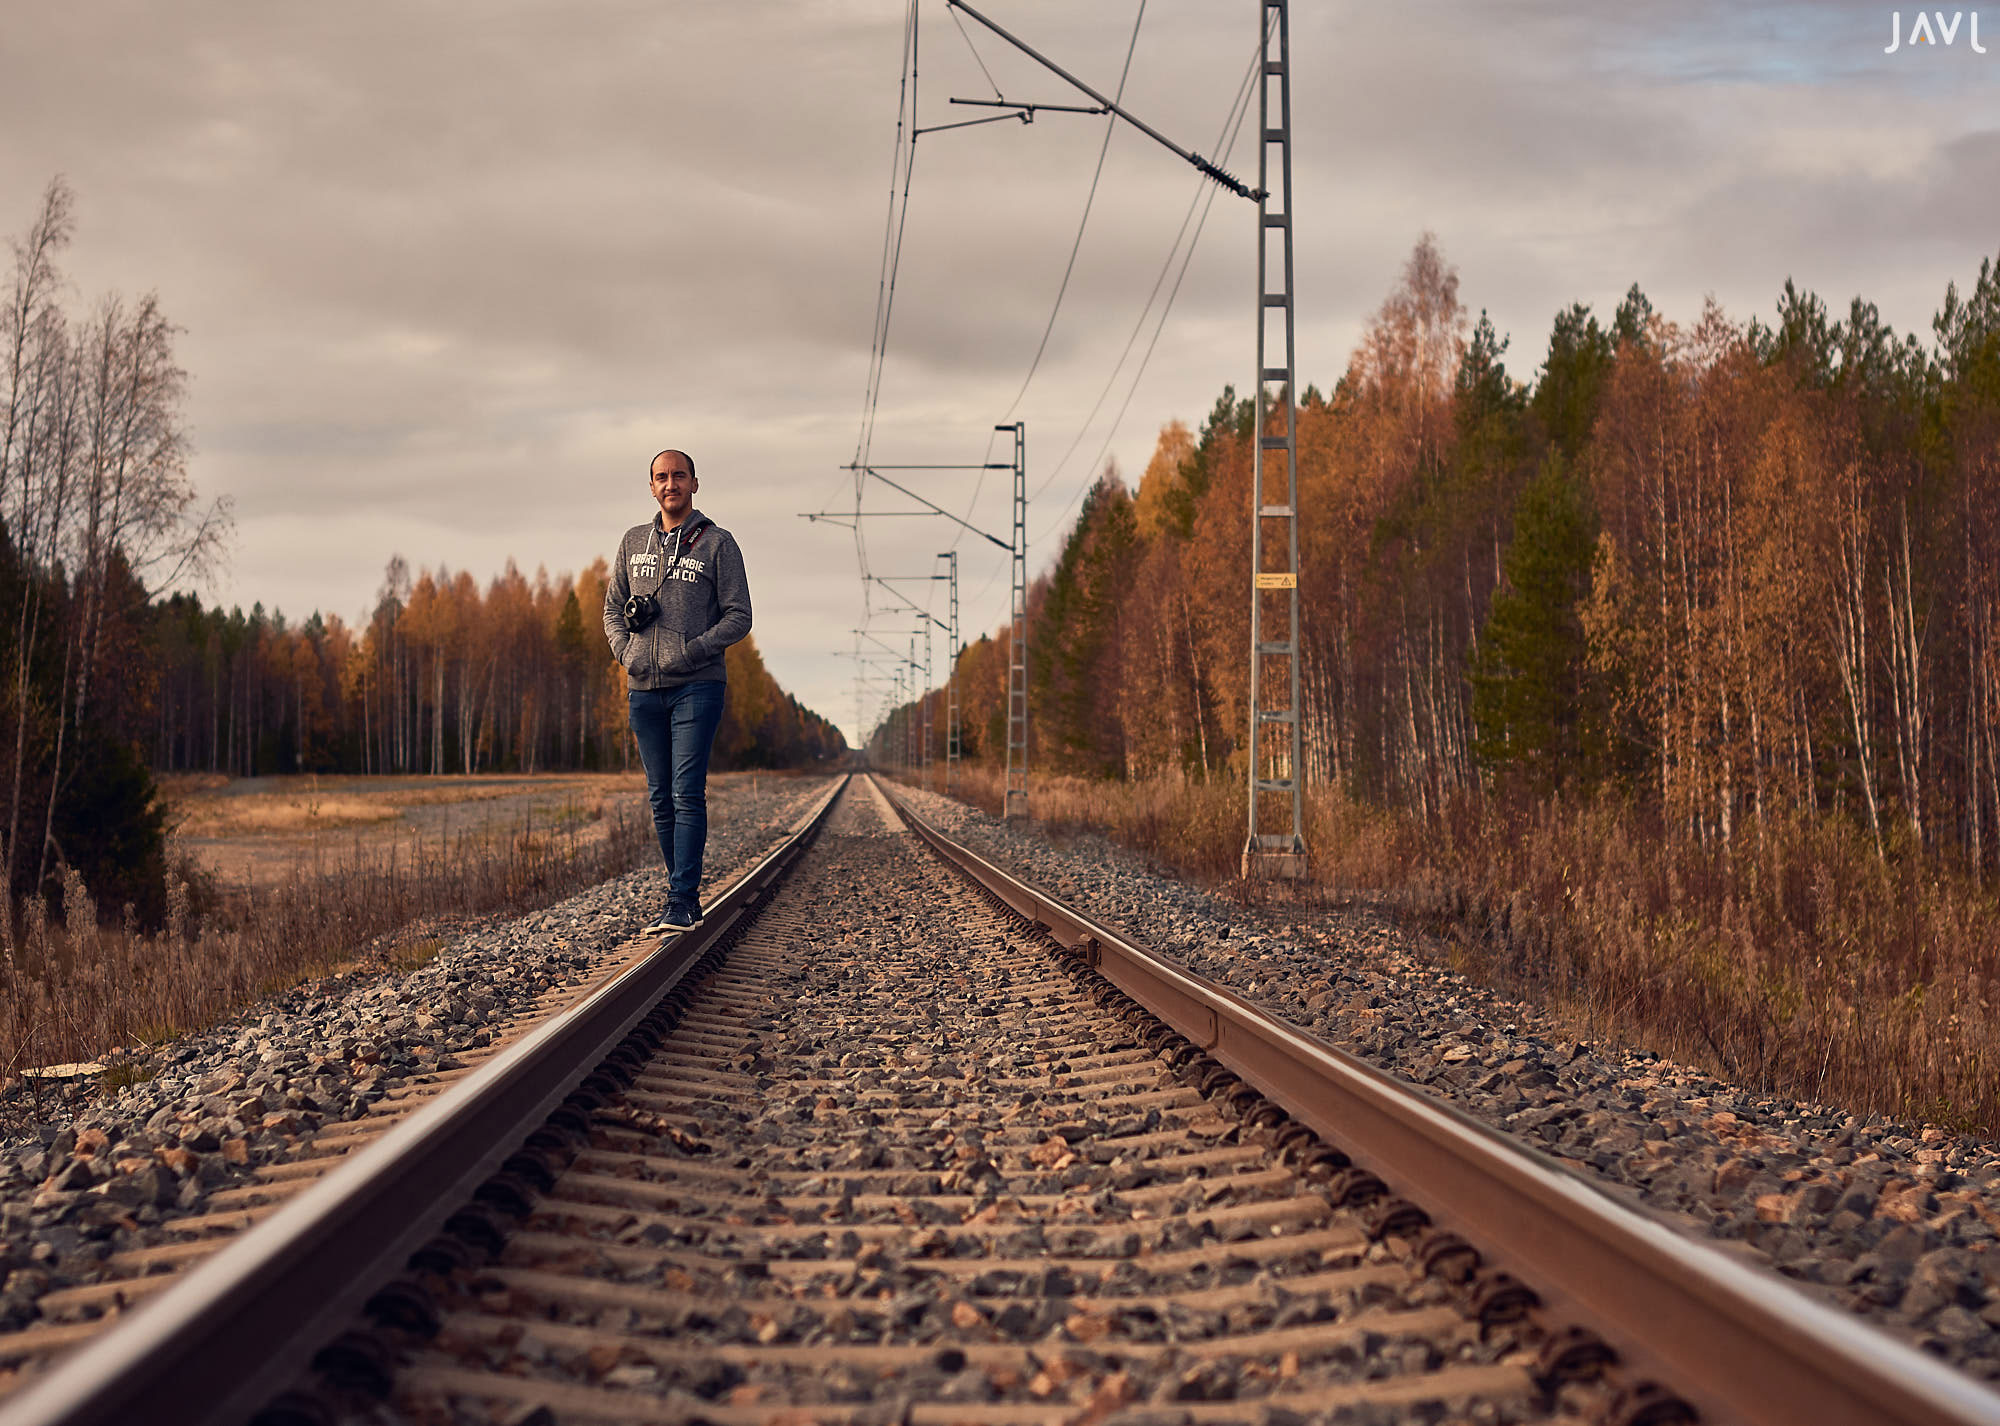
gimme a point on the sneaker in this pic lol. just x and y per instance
(661, 925)
(682, 917)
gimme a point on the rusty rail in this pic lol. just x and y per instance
(1740, 1344)
(240, 1327)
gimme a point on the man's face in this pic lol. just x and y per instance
(674, 486)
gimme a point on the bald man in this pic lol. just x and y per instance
(677, 599)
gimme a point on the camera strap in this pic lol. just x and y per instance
(681, 547)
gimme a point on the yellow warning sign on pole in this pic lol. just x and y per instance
(1277, 581)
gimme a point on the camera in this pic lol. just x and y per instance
(641, 610)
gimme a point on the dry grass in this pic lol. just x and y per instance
(70, 991)
(1804, 965)
(1194, 828)
(1799, 964)
(254, 816)
(204, 805)
(262, 833)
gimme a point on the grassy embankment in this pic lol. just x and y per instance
(1802, 964)
(278, 886)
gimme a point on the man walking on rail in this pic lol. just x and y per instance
(677, 598)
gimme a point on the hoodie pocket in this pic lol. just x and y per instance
(640, 659)
(672, 651)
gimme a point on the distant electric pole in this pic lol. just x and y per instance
(896, 714)
(920, 715)
(951, 749)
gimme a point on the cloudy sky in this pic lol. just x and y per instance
(449, 272)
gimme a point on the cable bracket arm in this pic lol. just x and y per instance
(1212, 170)
(939, 509)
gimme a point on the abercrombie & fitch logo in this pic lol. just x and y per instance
(1945, 32)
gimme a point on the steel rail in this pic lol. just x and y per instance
(1741, 1345)
(243, 1325)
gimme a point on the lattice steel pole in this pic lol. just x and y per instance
(1275, 844)
(925, 697)
(913, 722)
(951, 746)
(1015, 803)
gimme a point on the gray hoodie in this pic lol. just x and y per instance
(696, 572)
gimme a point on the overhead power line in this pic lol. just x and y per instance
(902, 164)
(1110, 127)
(1203, 200)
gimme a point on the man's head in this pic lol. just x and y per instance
(673, 484)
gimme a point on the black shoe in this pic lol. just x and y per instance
(682, 917)
(661, 925)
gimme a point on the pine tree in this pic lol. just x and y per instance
(1533, 701)
(1074, 648)
(1565, 400)
(1229, 419)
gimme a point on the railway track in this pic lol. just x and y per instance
(885, 1143)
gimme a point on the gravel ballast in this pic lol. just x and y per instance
(1895, 1221)
(96, 1173)
(885, 1162)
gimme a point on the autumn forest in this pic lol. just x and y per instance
(1666, 682)
(1727, 567)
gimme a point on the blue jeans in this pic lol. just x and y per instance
(675, 728)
